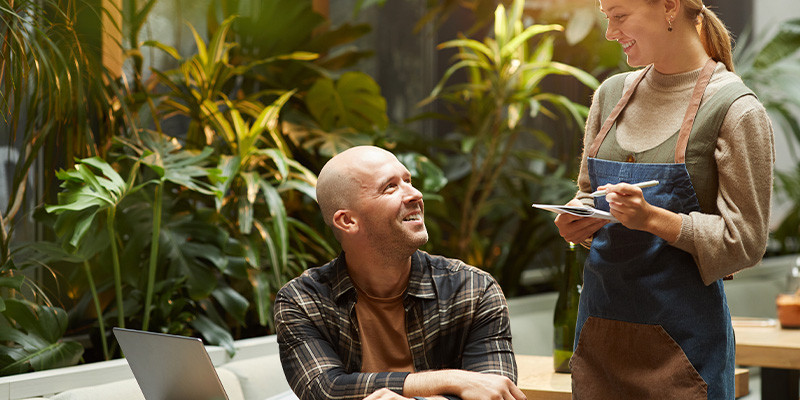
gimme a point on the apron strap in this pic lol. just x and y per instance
(691, 112)
(688, 119)
(609, 122)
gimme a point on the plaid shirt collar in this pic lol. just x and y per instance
(342, 285)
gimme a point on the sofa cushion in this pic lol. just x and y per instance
(287, 395)
(129, 390)
(260, 377)
(120, 390)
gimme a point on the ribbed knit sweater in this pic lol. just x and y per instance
(736, 238)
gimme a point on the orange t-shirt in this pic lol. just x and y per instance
(382, 330)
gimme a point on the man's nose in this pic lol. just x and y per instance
(412, 194)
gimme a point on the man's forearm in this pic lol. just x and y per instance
(466, 385)
(431, 383)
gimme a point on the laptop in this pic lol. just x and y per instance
(170, 367)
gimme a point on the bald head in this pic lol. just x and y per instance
(343, 176)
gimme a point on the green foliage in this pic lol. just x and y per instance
(273, 28)
(344, 113)
(84, 196)
(257, 178)
(199, 87)
(787, 234)
(31, 335)
(353, 101)
(58, 100)
(493, 157)
(10, 282)
(583, 44)
(171, 164)
(316, 128)
(45, 96)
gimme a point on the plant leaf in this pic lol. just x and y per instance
(354, 101)
(33, 339)
(214, 334)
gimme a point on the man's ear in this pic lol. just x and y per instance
(345, 221)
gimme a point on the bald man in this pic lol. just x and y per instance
(385, 320)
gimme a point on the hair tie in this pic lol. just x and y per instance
(702, 10)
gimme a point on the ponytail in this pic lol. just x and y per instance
(713, 33)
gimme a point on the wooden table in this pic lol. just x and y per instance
(777, 352)
(538, 380)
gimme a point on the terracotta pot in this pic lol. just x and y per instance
(788, 310)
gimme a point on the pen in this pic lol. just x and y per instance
(640, 185)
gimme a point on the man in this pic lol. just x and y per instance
(385, 320)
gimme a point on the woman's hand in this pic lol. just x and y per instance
(627, 204)
(576, 229)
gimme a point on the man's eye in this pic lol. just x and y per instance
(619, 17)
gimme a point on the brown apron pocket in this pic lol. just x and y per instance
(624, 360)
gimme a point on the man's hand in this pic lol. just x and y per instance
(489, 386)
(468, 385)
(385, 394)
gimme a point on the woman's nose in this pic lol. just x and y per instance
(611, 32)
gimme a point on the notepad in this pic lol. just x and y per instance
(577, 211)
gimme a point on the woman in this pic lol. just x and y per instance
(653, 321)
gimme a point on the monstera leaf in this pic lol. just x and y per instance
(85, 193)
(353, 101)
(32, 338)
(192, 248)
(88, 193)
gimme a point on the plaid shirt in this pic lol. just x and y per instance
(456, 318)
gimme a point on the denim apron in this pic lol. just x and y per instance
(648, 328)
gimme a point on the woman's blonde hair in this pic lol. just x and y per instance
(714, 34)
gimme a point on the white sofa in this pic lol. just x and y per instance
(254, 373)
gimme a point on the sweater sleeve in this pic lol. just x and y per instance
(736, 238)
